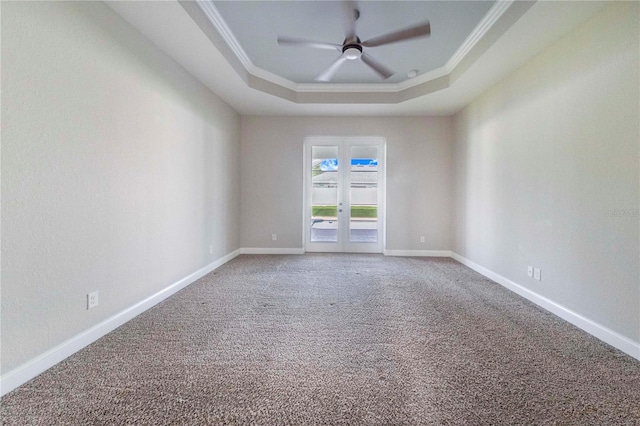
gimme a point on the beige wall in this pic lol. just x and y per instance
(546, 173)
(418, 177)
(119, 170)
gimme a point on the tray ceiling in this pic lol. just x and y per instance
(256, 25)
(507, 35)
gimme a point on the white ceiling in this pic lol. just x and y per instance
(185, 32)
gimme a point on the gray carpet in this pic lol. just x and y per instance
(338, 339)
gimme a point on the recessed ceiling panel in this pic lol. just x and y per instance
(256, 26)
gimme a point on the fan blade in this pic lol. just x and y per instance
(294, 41)
(349, 18)
(411, 32)
(329, 72)
(380, 69)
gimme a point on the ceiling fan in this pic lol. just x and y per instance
(353, 48)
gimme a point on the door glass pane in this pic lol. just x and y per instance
(363, 224)
(324, 194)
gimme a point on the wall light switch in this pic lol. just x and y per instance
(537, 274)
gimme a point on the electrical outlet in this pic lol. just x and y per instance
(422, 239)
(537, 274)
(530, 271)
(92, 300)
(274, 237)
(210, 249)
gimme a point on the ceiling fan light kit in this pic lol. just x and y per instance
(352, 48)
(352, 52)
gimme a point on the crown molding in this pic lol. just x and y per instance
(398, 92)
(211, 12)
(497, 10)
(273, 78)
(346, 87)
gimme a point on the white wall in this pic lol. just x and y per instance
(546, 173)
(419, 155)
(119, 170)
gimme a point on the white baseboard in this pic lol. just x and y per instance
(34, 367)
(271, 250)
(599, 331)
(419, 253)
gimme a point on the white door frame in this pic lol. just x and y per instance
(343, 244)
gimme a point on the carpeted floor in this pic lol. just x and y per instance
(338, 339)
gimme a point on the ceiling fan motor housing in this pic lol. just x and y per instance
(352, 49)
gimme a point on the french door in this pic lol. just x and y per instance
(344, 194)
